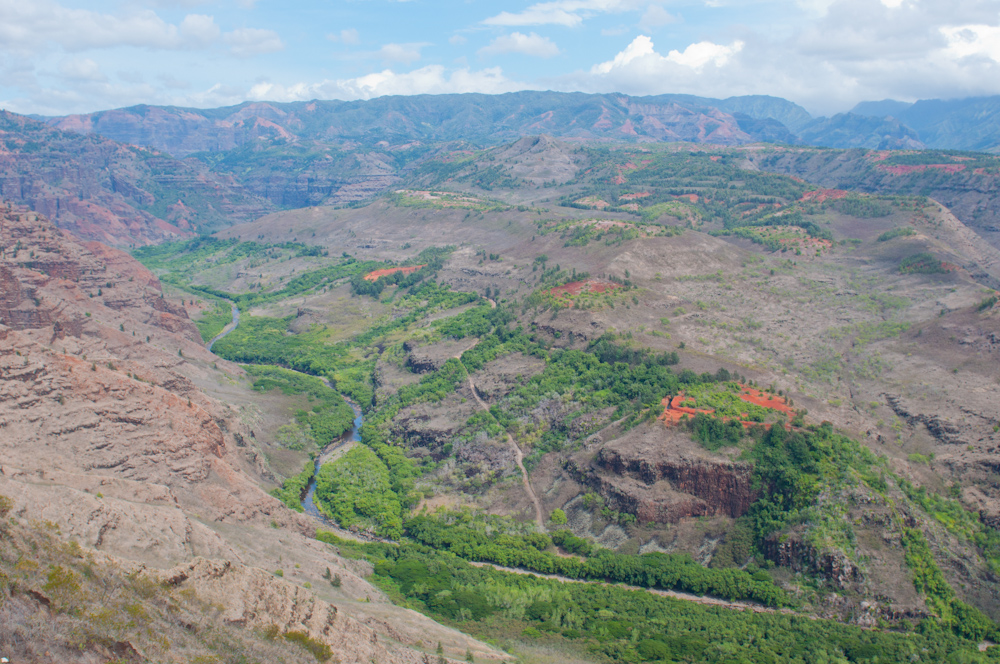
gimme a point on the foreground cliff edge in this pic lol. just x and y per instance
(133, 524)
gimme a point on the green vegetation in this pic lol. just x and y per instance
(682, 211)
(294, 488)
(724, 399)
(328, 416)
(212, 321)
(432, 259)
(864, 207)
(443, 200)
(966, 621)
(347, 364)
(617, 624)
(902, 231)
(356, 490)
(922, 263)
(653, 570)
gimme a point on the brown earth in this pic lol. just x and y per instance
(110, 433)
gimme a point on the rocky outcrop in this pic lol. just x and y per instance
(943, 430)
(255, 599)
(800, 556)
(650, 474)
(117, 194)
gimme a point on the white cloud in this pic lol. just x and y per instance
(405, 53)
(247, 42)
(36, 26)
(173, 83)
(433, 79)
(971, 40)
(641, 46)
(698, 55)
(531, 44)
(570, 13)
(695, 56)
(81, 69)
(348, 36)
(457, 40)
(200, 29)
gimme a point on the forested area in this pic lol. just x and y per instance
(616, 624)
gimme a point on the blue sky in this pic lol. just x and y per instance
(67, 56)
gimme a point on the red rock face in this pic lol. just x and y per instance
(41, 267)
(663, 477)
(103, 190)
(95, 392)
(716, 488)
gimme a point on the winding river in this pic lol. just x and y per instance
(332, 449)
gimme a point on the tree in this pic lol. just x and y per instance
(558, 517)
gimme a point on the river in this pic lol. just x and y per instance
(233, 324)
(355, 437)
(308, 503)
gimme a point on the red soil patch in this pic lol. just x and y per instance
(634, 207)
(674, 410)
(588, 286)
(755, 396)
(821, 195)
(948, 267)
(920, 168)
(632, 197)
(878, 155)
(693, 198)
(378, 274)
(715, 158)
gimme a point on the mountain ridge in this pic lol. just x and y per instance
(491, 119)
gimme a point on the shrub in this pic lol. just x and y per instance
(6, 505)
(319, 650)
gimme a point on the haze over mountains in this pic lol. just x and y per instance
(970, 124)
(149, 173)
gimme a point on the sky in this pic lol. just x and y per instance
(60, 57)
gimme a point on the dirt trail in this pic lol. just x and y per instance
(688, 597)
(518, 455)
(519, 458)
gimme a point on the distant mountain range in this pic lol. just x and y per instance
(968, 124)
(144, 174)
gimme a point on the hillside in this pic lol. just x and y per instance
(477, 118)
(133, 469)
(112, 192)
(966, 182)
(232, 165)
(688, 362)
(967, 124)
(543, 401)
